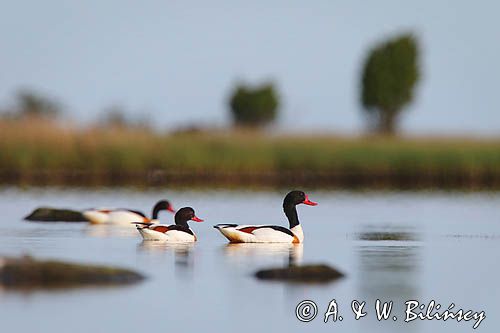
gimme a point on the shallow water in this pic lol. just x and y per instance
(423, 246)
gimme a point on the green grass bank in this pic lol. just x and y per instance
(44, 153)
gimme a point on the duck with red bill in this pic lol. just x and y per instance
(196, 219)
(180, 232)
(125, 216)
(309, 202)
(271, 233)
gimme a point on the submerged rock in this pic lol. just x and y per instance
(303, 273)
(48, 214)
(386, 235)
(26, 272)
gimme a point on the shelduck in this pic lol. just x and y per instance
(125, 216)
(271, 233)
(178, 232)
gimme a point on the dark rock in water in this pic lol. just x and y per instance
(48, 214)
(381, 235)
(28, 273)
(305, 274)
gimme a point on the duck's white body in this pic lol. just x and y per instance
(120, 216)
(261, 234)
(271, 233)
(125, 216)
(96, 216)
(161, 232)
(175, 233)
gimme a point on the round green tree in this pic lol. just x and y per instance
(254, 107)
(390, 74)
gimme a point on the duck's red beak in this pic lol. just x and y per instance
(309, 202)
(171, 209)
(196, 219)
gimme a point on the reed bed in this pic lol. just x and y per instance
(49, 152)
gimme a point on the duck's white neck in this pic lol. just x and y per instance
(297, 231)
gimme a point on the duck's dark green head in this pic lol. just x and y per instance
(162, 205)
(186, 214)
(296, 197)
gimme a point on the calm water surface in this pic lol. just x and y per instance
(424, 246)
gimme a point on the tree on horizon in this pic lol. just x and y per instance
(390, 74)
(254, 106)
(33, 104)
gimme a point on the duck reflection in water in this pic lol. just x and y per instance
(183, 253)
(291, 253)
(109, 231)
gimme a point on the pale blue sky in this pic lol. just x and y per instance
(175, 61)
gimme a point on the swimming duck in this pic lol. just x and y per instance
(178, 232)
(125, 216)
(271, 233)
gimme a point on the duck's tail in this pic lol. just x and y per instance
(142, 225)
(225, 225)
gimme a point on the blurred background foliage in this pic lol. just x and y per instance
(46, 152)
(388, 81)
(254, 106)
(37, 143)
(33, 104)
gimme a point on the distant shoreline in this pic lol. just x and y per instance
(158, 178)
(44, 153)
